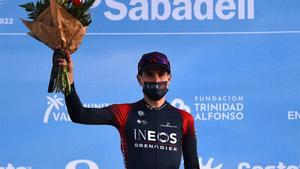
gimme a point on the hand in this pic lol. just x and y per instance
(67, 62)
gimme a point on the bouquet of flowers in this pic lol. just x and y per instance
(61, 25)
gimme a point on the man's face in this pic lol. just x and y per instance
(154, 75)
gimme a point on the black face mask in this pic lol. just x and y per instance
(155, 90)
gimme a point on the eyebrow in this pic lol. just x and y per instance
(156, 71)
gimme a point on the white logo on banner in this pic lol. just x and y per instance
(280, 165)
(219, 107)
(5, 20)
(214, 107)
(293, 115)
(208, 165)
(178, 10)
(74, 164)
(54, 105)
(179, 103)
(11, 166)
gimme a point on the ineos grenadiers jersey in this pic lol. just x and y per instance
(151, 138)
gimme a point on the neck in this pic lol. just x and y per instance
(155, 104)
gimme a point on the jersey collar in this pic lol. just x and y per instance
(147, 106)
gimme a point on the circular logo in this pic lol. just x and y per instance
(90, 164)
(181, 105)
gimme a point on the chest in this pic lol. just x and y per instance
(161, 127)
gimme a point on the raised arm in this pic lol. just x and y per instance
(77, 112)
(83, 115)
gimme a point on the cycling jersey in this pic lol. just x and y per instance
(151, 138)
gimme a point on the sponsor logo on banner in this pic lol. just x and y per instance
(3, 19)
(11, 166)
(55, 104)
(209, 164)
(280, 165)
(219, 107)
(179, 103)
(1, 3)
(145, 10)
(73, 164)
(214, 107)
(246, 165)
(56, 110)
(293, 115)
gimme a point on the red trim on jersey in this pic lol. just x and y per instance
(121, 113)
(187, 123)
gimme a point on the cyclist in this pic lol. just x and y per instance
(154, 134)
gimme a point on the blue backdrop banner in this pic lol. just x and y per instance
(235, 66)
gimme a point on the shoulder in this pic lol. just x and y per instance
(120, 113)
(117, 108)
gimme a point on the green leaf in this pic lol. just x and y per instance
(28, 6)
(81, 12)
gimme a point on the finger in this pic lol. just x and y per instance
(62, 63)
(60, 60)
(68, 56)
(68, 53)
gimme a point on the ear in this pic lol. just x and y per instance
(138, 77)
(169, 77)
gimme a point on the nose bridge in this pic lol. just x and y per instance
(156, 77)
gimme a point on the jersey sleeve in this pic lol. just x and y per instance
(189, 142)
(80, 114)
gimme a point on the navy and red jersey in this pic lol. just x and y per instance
(151, 138)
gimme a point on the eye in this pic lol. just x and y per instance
(162, 73)
(148, 73)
